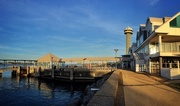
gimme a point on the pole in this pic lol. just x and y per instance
(116, 50)
(71, 74)
(52, 74)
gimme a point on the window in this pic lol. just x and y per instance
(155, 27)
(175, 22)
(149, 33)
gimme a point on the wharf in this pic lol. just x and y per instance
(67, 78)
(127, 88)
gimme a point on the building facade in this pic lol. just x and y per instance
(126, 62)
(157, 47)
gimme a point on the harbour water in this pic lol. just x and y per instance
(34, 92)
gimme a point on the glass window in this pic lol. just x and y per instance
(175, 22)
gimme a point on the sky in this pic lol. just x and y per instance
(29, 29)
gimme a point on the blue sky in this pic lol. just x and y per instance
(30, 29)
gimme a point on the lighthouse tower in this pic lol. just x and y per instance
(128, 32)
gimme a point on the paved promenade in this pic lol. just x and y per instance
(141, 90)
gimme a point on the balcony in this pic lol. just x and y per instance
(166, 48)
(171, 47)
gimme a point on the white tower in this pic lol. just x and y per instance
(128, 32)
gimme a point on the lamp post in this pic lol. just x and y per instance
(59, 64)
(52, 62)
(52, 73)
(83, 61)
(116, 50)
(71, 63)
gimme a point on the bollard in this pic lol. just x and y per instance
(71, 74)
(19, 70)
(28, 72)
(39, 72)
(53, 69)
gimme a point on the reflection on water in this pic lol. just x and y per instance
(31, 91)
(7, 74)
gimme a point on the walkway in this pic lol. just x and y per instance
(141, 90)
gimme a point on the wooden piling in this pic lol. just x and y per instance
(28, 71)
(71, 74)
(52, 75)
(19, 70)
(39, 72)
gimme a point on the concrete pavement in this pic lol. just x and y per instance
(141, 90)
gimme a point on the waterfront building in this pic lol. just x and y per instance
(125, 63)
(157, 47)
(92, 62)
(48, 61)
(128, 32)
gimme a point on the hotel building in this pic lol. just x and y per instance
(157, 47)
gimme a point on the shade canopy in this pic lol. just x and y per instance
(49, 58)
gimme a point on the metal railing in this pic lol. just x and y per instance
(171, 47)
(166, 47)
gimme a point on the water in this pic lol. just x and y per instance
(7, 74)
(31, 91)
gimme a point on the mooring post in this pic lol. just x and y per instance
(28, 71)
(52, 75)
(71, 74)
(39, 72)
(19, 70)
(4, 64)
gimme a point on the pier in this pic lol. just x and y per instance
(18, 67)
(74, 74)
(32, 68)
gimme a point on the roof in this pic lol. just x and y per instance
(89, 59)
(154, 19)
(128, 28)
(48, 58)
(162, 29)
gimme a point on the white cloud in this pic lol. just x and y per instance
(153, 2)
(4, 47)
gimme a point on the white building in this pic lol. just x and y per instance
(157, 47)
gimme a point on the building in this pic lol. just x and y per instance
(157, 47)
(128, 32)
(125, 62)
(49, 60)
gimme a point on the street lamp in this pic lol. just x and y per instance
(52, 62)
(116, 50)
(83, 61)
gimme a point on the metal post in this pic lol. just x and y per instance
(71, 63)
(24, 63)
(39, 72)
(28, 71)
(52, 74)
(83, 61)
(71, 74)
(116, 50)
(4, 65)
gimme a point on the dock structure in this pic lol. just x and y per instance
(73, 74)
(16, 62)
(52, 67)
(18, 66)
(49, 60)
